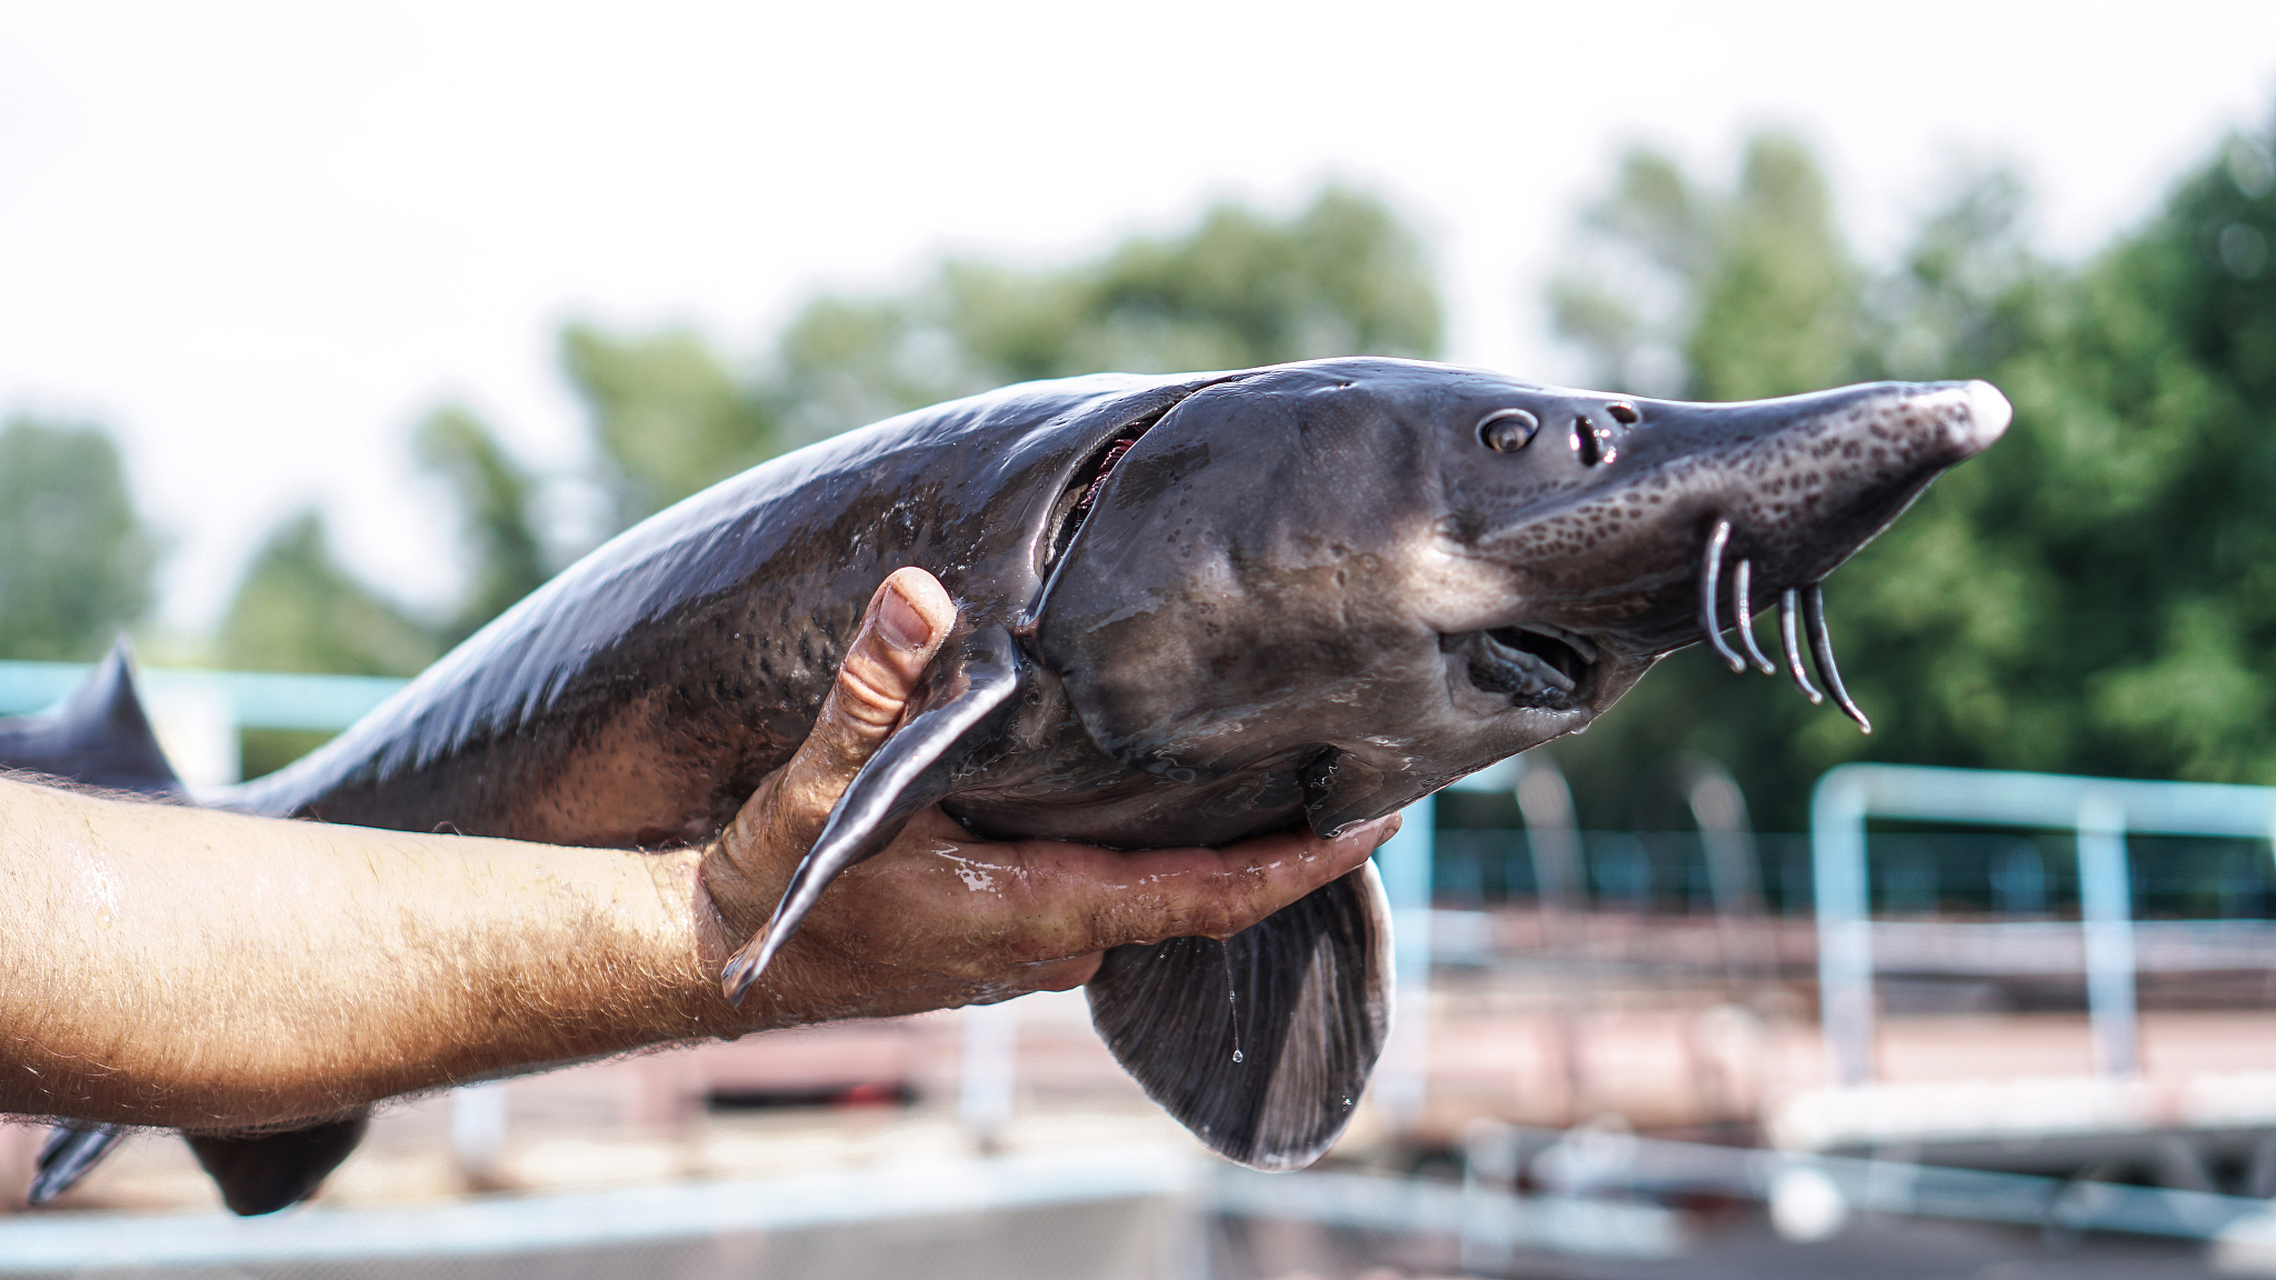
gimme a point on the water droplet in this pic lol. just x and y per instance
(1232, 997)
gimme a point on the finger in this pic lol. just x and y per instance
(908, 618)
(1106, 899)
(1064, 975)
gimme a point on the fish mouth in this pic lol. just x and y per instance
(1531, 664)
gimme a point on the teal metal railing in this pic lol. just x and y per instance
(256, 699)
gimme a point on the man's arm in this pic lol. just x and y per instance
(206, 970)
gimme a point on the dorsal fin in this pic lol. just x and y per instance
(99, 735)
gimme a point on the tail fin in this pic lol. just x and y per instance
(98, 736)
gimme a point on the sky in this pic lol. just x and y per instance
(258, 240)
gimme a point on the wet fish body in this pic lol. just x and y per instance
(1192, 609)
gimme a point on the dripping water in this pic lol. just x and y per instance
(1232, 999)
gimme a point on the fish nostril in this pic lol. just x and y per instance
(1589, 442)
(1623, 413)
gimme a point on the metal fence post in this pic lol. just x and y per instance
(1845, 929)
(2106, 912)
(1404, 862)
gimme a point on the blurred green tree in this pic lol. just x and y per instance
(75, 557)
(2098, 592)
(1688, 293)
(1781, 305)
(494, 495)
(299, 609)
(2123, 539)
(667, 415)
(1629, 295)
(1340, 277)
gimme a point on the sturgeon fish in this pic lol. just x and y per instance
(1192, 609)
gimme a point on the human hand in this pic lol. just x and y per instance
(941, 917)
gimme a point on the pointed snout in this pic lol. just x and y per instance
(1801, 482)
(1988, 416)
(1933, 424)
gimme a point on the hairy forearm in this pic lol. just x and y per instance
(199, 969)
(206, 970)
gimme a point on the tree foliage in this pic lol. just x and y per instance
(75, 557)
(1340, 277)
(667, 417)
(495, 496)
(668, 414)
(2095, 594)
(300, 609)
(1693, 293)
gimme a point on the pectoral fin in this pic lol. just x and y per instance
(72, 1148)
(1342, 788)
(971, 696)
(1260, 1044)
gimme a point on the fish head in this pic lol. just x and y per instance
(1387, 574)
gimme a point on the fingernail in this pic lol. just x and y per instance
(904, 627)
(1390, 828)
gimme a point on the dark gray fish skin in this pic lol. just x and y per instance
(1311, 592)
(1299, 571)
(638, 698)
(1273, 611)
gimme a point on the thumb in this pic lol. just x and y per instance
(907, 620)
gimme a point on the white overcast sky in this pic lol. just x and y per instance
(258, 238)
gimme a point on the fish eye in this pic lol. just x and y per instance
(1507, 430)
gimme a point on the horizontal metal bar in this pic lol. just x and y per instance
(1381, 1202)
(2001, 798)
(257, 699)
(1584, 1162)
(489, 1227)
(2059, 946)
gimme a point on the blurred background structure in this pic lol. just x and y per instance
(1671, 1018)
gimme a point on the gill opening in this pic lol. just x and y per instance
(1080, 496)
(1801, 611)
(1077, 499)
